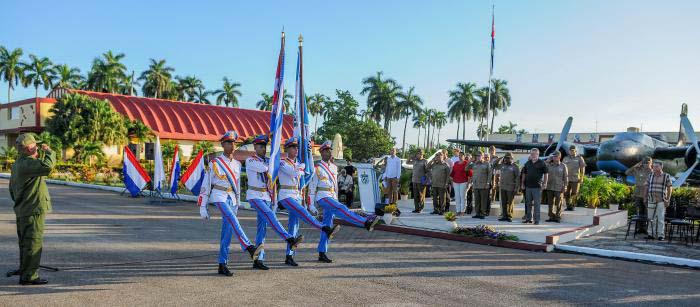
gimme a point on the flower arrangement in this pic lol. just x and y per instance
(390, 209)
(484, 231)
(450, 216)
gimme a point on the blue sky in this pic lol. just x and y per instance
(609, 64)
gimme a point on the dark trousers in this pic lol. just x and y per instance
(554, 199)
(481, 201)
(470, 200)
(507, 198)
(642, 211)
(30, 232)
(418, 196)
(349, 195)
(439, 199)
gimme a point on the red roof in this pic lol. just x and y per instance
(191, 121)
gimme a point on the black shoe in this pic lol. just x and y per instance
(661, 238)
(223, 270)
(650, 237)
(294, 241)
(323, 258)
(34, 282)
(441, 213)
(415, 211)
(254, 251)
(549, 220)
(537, 223)
(369, 225)
(569, 209)
(331, 231)
(509, 220)
(12, 273)
(557, 221)
(434, 212)
(476, 216)
(482, 217)
(258, 264)
(527, 222)
(290, 261)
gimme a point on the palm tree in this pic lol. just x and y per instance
(482, 131)
(205, 146)
(68, 77)
(39, 72)
(440, 121)
(500, 98)
(419, 123)
(201, 96)
(131, 84)
(156, 78)
(53, 141)
(88, 151)
(480, 105)
(461, 104)
(108, 74)
(317, 107)
(508, 129)
(228, 94)
(11, 68)
(187, 87)
(409, 104)
(265, 104)
(381, 97)
(136, 129)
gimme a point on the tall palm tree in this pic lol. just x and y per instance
(201, 96)
(11, 68)
(107, 74)
(500, 98)
(440, 121)
(265, 104)
(68, 77)
(317, 107)
(508, 128)
(228, 94)
(461, 104)
(187, 87)
(39, 72)
(419, 123)
(156, 78)
(381, 97)
(429, 118)
(205, 146)
(131, 84)
(479, 107)
(89, 151)
(409, 104)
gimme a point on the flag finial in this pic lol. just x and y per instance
(301, 39)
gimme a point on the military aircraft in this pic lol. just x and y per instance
(623, 151)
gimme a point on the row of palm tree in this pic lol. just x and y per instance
(468, 102)
(109, 74)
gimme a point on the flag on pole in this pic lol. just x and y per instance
(493, 47)
(175, 173)
(135, 177)
(276, 118)
(194, 175)
(301, 122)
(158, 170)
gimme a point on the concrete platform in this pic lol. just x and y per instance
(575, 224)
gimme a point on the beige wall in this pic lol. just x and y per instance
(27, 117)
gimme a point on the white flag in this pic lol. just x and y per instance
(158, 170)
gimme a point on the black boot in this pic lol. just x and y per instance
(331, 231)
(323, 258)
(258, 264)
(290, 261)
(294, 241)
(223, 270)
(370, 223)
(12, 273)
(254, 251)
(34, 282)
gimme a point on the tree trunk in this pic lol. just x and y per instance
(403, 146)
(315, 126)
(418, 140)
(493, 115)
(438, 138)
(9, 90)
(464, 130)
(458, 121)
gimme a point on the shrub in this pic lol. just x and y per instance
(390, 209)
(405, 182)
(450, 216)
(484, 231)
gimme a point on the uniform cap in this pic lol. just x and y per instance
(572, 147)
(229, 136)
(261, 139)
(556, 153)
(293, 141)
(326, 145)
(26, 139)
(508, 155)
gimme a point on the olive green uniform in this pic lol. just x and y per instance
(576, 167)
(31, 196)
(482, 180)
(509, 182)
(556, 184)
(440, 173)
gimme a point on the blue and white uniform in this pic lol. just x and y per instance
(290, 197)
(323, 189)
(217, 189)
(259, 198)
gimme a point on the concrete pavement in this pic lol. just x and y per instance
(120, 251)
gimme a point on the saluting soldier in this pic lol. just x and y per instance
(641, 172)
(482, 180)
(576, 166)
(509, 179)
(557, 183)
(32, 202)
(495, 162)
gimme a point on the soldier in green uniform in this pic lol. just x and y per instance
(556, 186)
(31, 196)
(576, 166)
(509, 180)
(482, 180)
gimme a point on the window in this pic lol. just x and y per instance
(13, 113)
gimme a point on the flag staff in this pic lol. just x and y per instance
(493, 38)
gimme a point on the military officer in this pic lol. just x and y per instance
(509, 179)
(641, 172)
(322, 189)
(481, 183)
(576, 166)
(221, 186)
(290, 197)
(32, 202)
(495, 162)
(259, 197)
(557, 183)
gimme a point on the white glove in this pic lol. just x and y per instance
(312, 209)
(203, 212)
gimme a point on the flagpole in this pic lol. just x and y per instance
(493, 37)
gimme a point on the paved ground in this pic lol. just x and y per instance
(615, 240)
(118, 251)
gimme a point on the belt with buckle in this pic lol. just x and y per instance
(325, 189)
(288, 187)
(257, 189)
(220, 188)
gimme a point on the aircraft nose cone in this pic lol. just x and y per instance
(614, 157)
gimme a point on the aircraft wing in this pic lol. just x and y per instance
(501, 144)
(669, 152)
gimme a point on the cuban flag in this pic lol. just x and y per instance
(194, 175)
(301, 124)
(276, 119)
(135, 177)
(175, 173)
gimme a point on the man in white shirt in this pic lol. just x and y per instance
(258, 195)
(322, 189)
(290, 174)
(392, 173)
(222, 187)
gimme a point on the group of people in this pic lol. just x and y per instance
(652, 195)
(485, 177)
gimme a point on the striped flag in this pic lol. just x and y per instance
(135, 177)
(276, 118)
(175, 173)
(301, 123)
(194, 175)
